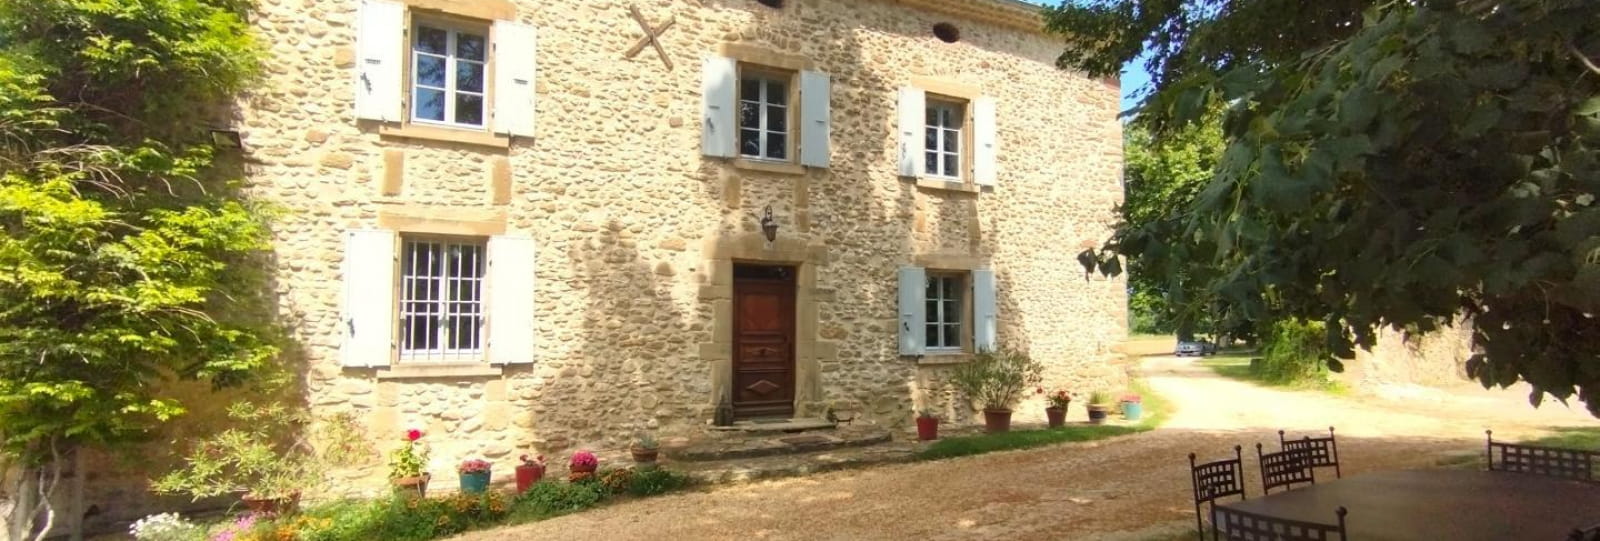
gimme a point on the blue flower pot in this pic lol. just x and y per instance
(475, 483)
(1132, 410)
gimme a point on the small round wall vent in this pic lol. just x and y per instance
(947, 32)
(771, 3)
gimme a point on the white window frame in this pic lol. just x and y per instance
(453, 32)
(941, 316)
(763, 103)
(440, 308)
(945, 114)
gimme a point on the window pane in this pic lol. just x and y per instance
(750, 142)
(777, 93)
(952, 165)
(933, 336)
(932, 165)
(469, 76)
(952, 335)
(430, 70)
(469, 109)
(932, 311)
(952, 141)
(750, 89)
(469, 46)
(777, 118)
(430, 104)
(933, 116)
(931, 141)
(431, 40)
(749, 115)
(777, 146)
(933, 288)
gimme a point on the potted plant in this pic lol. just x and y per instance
(1132, 406)
(582, 466)
(406, 465)
(475, 475)
(1099, 404)
(927, 425)
(262, 459)
(996, 379)
(1056, 412)
(645, 449)
(529, 472)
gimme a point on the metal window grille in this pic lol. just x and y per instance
(764, 118)
(441, 299)
(943, 142)
(944, 312)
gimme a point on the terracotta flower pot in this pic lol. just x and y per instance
(527, 475)
(583, 469)
(644, 456)
(996, 420)
(413, 486)
(1057, 416)
(1097, 413)
(927, 428)
(282, 505)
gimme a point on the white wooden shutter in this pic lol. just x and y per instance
(986, 140)
(717, 129)
(913, 311)
(368, 317)
(913, 125)
(380, 51)
(510, 299)
(515, 70)
(984, 320)
(815, 110)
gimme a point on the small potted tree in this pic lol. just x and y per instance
(1132, 406)
(927, 425)
(996, 379)
(582, 466)
(1056, 412)
(260, 460)
(1099, 404)
(407, 464)
(645, 450)
(475, 474)
(529, 472)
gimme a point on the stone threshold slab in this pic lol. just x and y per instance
(784, 445)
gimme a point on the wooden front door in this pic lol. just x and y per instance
(763, 341)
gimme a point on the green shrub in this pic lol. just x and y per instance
(657, 481)
(997, 379)
(1293, 352)
(548, 498)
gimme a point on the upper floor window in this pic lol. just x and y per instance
(441, 298)
(448, 74)
(942, 146)
(764, 116)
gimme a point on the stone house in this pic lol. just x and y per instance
(531, 226)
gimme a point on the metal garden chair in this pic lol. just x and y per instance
(1213, 480)
(1235, 525)
(1322, 452)
(1284, 469)
(1540, 460)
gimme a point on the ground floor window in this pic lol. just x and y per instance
(441, 298)
(944, 300)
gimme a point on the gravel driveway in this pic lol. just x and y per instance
(1133, 487)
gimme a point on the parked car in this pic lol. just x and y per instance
(1188, 348)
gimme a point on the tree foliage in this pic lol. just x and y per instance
(126, 254)
(1388, 164)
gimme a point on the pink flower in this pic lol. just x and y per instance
(413, 435)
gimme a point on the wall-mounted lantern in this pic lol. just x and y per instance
(769, 226)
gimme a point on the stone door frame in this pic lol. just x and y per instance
(720, 254)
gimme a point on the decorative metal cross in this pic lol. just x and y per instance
(650, 36)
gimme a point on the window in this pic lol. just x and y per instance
(448, 75)
(764, 117)
(943, 145)
(441, 299)
(944, 298)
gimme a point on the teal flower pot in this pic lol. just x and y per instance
(1132, 410)
(475, 483)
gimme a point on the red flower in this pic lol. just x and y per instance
(413, 435)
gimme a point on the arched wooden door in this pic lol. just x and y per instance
(763, 341)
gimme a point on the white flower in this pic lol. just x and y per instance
(164, 527)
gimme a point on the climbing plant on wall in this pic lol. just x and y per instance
(129, 257)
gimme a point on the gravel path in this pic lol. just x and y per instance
(1133, 487)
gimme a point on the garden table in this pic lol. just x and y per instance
(1441, 504)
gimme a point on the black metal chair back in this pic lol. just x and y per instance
(1540, 460)
(1214, 480)
(1235, 525)
(1322, 452)
(1284, 469)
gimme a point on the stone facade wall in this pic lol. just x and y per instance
(631, 221)
(1438, 358)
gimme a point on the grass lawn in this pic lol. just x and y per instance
(1235, 364)
(1156, 411)
(1571, 438)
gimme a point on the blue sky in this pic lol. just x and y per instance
(1133, 75)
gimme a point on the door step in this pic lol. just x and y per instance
(759, 444)
(758, 426)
